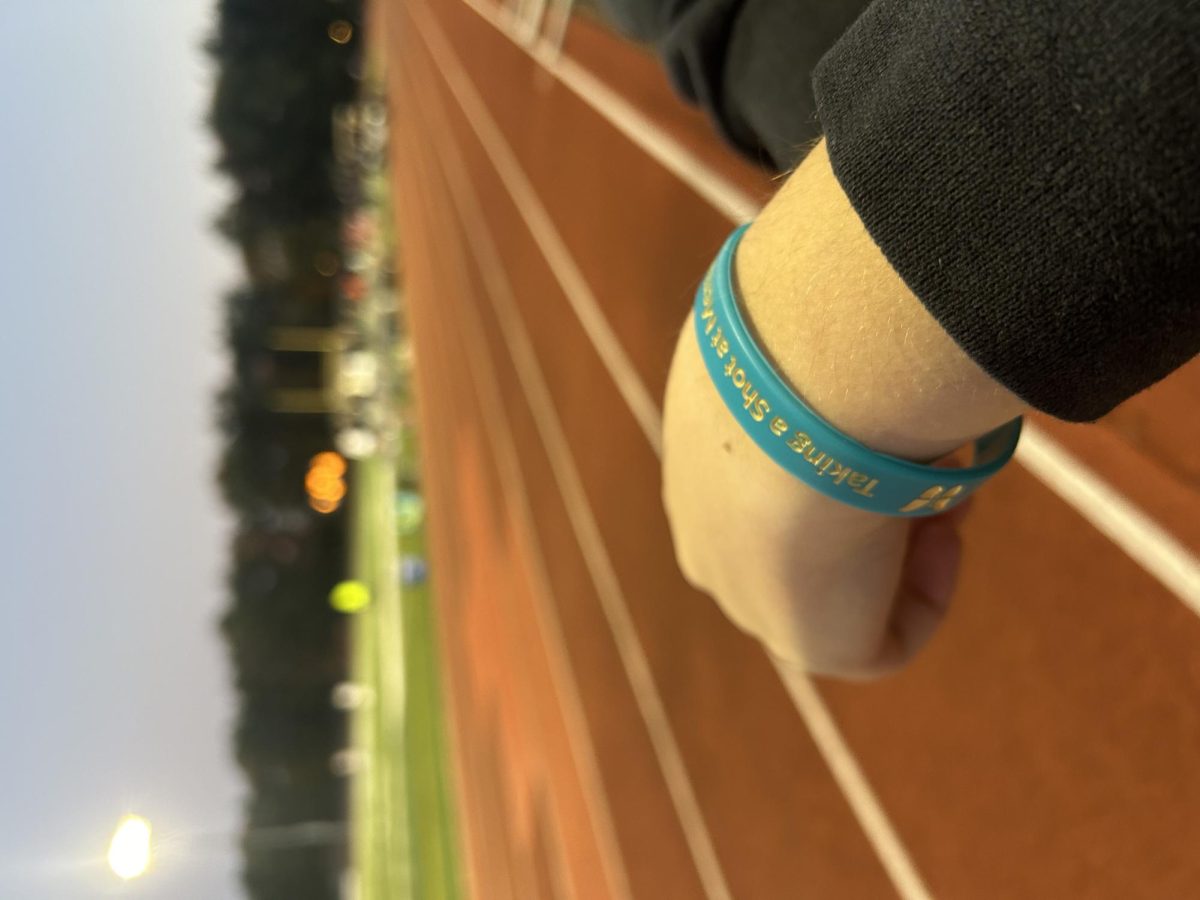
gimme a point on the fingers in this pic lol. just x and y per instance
(927, 585)
(926, 589)
(931, 567)
(860, 613)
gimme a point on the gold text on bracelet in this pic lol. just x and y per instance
(858, 482)
(754, 404)
(758, 407)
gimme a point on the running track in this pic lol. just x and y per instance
(613, 735)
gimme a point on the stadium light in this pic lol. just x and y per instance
(129, 852)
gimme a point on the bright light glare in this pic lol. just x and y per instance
(129, 852)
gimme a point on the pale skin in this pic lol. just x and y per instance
(825, 587)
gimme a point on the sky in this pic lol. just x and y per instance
(114, 691)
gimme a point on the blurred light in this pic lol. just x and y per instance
(324, 507)
(353, 287)
(359, 229)
(413, 571)
(129, 852)
(357, 442)
(324, 483)
(340, 31)
(347, 762)
(350, 695)
(410, 511)
(357, 374)
(327, 263)
(349, 596)
(329, 459)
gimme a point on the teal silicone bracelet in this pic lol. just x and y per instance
(797, 438)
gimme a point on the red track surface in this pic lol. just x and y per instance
(1046, 745)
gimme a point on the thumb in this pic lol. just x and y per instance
(927, 584)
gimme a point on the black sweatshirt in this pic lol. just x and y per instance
(1030, 168)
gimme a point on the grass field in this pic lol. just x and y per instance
(402, 828)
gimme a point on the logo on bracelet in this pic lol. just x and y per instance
(937, 497)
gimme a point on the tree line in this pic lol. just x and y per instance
(278, 78)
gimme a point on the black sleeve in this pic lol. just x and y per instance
(747, 63)
(1031, 168)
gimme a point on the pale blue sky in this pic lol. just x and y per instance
(114, 692)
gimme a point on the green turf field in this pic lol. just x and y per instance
(402, 827)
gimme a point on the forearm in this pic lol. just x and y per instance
(1029, 170)
(847, 334)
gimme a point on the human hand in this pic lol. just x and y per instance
(835, 589)
(825, 587)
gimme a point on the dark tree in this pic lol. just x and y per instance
(279, 79)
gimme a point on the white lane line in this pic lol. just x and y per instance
(518, 867)
(516, 495)
(830, 744)
(556, 30)
(720, 193)
(545, 235)
(532, 26)
(1107, 510)
(499, 433)
(425, 196)
(553, 841)
(849, 776)
(587, 531)
(1113, 515)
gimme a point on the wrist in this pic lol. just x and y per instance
(843, 330)
(803, 442)
(694, 408)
